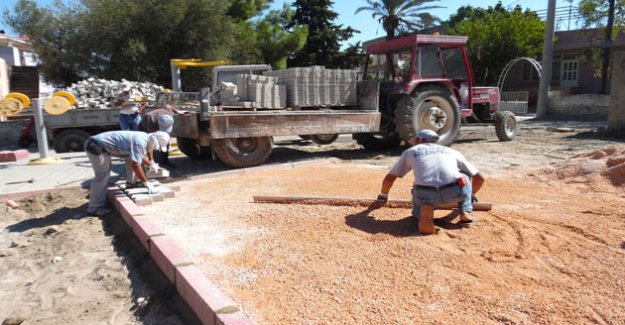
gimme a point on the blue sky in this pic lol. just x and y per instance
(368, 27)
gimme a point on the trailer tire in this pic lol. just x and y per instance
(324, 138)
(429, 107)
(243, 152)
(378, 141)
(192, 149)
(72, 140)
(505, 125)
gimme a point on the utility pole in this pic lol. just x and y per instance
(545, 76)
(605, 48)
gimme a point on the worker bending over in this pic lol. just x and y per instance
(160, 120)
(442, 175)
(135, 147)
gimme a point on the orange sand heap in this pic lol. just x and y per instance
(593, 167)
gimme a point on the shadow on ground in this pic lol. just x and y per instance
(405, 227)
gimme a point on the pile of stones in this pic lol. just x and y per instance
(96, 93)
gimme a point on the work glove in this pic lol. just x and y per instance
(382, 197)
(151, 188)
(154, 167)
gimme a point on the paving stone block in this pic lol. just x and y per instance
(204, 298)
(145, 229)
(167, 255)
(143, 201)
(167, 192)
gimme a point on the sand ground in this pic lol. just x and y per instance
(550, 252)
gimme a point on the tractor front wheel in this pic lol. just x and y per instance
(505, 125)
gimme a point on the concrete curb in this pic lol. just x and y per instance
(209, 304)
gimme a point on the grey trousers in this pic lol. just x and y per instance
(101, 165)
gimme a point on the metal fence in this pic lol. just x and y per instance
(514, 101)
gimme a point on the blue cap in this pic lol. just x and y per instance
(427, 135)
(166, 123)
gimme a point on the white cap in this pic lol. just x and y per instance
(158, 141)
(427, 135)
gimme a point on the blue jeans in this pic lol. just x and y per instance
(459, 194)
(129, 122)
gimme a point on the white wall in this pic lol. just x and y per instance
(11, 55)
(4, 78)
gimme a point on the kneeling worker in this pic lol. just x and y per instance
(442, 175)
(134, 146)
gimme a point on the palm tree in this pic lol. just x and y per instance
(405, 14)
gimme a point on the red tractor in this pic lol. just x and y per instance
(426, 82)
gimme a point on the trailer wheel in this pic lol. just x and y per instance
(192, 149)
(378, 141)
(505, 125)
(243, 152)
(324, 138)
(72, 140)
(431, 107)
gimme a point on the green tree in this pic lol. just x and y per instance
(496, 36)
(243, 10)
(404, 14)
(323, 45)
(278, 38)
(599, 25)
(130, 39)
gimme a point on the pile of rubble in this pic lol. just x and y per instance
(95, 93)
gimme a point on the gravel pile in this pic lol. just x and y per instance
(95, 93)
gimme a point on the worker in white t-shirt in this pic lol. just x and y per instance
(442, 175)
(130, 114)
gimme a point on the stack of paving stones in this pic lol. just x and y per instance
(260, 92)
(141, 197)
(95, 93)
(317, 86)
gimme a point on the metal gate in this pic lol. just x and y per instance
(514, 101)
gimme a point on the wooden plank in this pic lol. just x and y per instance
(340, 201)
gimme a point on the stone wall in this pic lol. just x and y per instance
(586, 104)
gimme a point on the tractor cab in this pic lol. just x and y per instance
(426, 82)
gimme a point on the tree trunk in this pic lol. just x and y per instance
(616, 108)
(605, 48)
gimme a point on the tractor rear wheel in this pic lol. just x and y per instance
(243, 152)
(505, 125)
(192, 149)
(430, 107)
